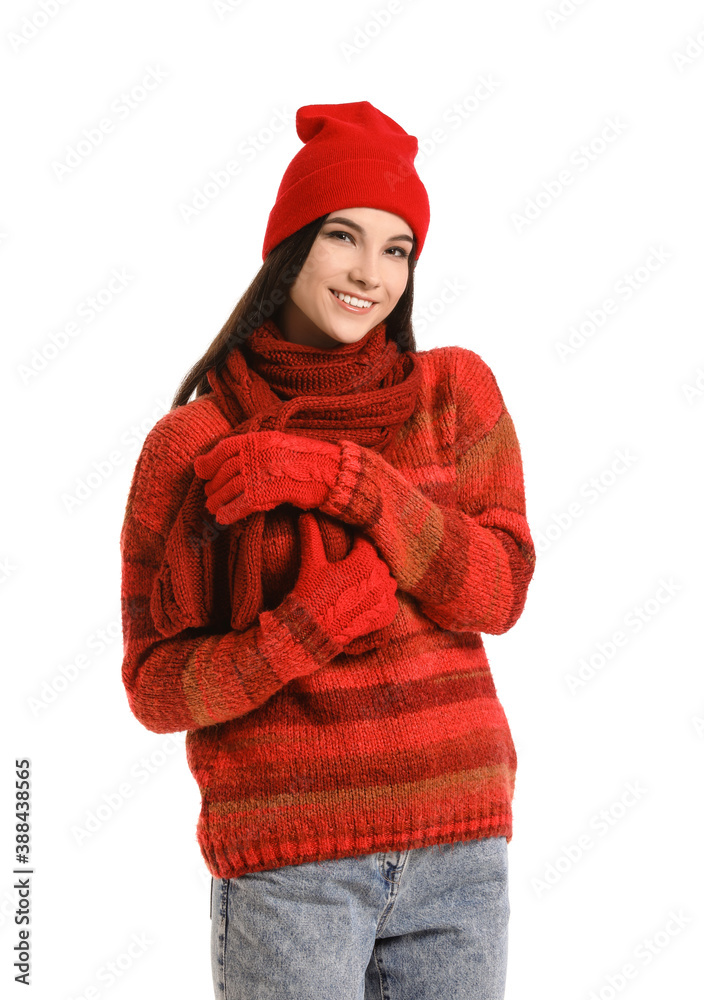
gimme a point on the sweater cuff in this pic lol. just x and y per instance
(305, 631)
(346, 497)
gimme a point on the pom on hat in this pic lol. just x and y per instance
(354, 156)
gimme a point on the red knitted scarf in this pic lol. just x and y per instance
(363, 392)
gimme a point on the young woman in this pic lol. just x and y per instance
(311, 549)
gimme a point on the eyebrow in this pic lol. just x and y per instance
(355, 225)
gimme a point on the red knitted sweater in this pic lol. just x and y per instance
(300, 756)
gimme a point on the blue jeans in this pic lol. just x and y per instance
(421, 924)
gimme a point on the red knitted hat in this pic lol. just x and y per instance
(353, 156)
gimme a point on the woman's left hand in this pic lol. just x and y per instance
(259, 470)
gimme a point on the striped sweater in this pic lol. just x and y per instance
(304, 755)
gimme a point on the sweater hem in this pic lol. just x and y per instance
(224, 860)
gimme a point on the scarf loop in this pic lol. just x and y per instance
(362, 392)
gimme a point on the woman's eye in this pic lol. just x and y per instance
(400, 252)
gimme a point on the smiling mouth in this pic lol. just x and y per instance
(362, 305)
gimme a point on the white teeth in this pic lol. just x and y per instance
(352, 300)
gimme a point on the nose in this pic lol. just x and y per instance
(365, 269)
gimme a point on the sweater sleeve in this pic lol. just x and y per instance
(178, 671)
(468, 565)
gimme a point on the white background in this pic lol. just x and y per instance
(633, 388)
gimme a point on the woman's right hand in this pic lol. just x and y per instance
(348, 598)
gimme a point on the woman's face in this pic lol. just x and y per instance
(359, 251)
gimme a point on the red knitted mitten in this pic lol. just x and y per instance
(348, 598)
(261, 469)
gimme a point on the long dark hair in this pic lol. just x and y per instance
(267, 293)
